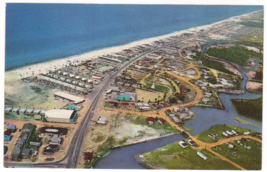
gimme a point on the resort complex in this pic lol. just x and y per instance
(193, 97)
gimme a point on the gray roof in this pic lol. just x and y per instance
(42, 112)
(11, 126)
(27, 127)
(26, 151)
(17, 150)
(36, 111)
(15, 109)
(55, 140)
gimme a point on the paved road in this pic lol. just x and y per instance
(77, 141)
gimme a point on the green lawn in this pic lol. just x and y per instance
(249, 159)
(217, 130)
(158, 87)
(172, 156)
(235, 54)
(251, 108)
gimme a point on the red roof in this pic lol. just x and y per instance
(88, 155)
(177, 98)
(155, 105)
(127, 50)
(162, 120)
(168, 102)
(168, 110)
(7, 133)
(111, 102)
(133, 104)
(125, 104)
(150, 119)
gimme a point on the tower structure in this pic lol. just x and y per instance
(153, 85)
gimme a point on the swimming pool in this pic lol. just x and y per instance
(71, 107)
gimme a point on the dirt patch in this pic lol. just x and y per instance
(147, 95)
(98, 136)
(253, 86)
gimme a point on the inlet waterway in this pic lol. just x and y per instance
(124, 158)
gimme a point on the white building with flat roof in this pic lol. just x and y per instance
(74, 99)
(60, 115)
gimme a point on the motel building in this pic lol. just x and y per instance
(61, 115)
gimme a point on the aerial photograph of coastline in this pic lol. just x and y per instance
(120, 86)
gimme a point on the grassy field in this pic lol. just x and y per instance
(141, 120)
(211, 63)
(249, 159)
(158, 87)
(172, 156)
(236, 54)
(251, 108)
(217, 130)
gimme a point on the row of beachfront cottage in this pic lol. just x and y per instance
(19, 110)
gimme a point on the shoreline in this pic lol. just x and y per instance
(42, 67)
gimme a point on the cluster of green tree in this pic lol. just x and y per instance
(251, 108)
(36, 89)
(211, 63)
(34, 137)
(258, 76)
(212, 79)
(236, 54)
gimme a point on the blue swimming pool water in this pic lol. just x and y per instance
(71, 107)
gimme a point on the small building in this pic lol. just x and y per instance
(7, 135)
(35, 144)
(8, 109)
(16, 152)
(42, 112)
(16, 110)
(231, 146)
(97, 77)
(74, 99)
(144, 108)
(102, 120)
(246, 133)
(88, 156)
(36, 112)
(26, 153)
(11, 127)
(150, 120)
(201, 155)
(161, 120)
(29, 111)
(22, 111)
(125, 104)
(61, 115)
(55, 141)
(225, 134)
(183, 144)
(51, 149)
(27, 128)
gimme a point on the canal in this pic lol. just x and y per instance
(124, 158)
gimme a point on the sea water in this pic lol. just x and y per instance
(42, 32)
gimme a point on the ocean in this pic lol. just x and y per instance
(42, 32)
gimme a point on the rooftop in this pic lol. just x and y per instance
(69, 97)
(59, 113)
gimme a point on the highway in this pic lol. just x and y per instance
(76, 144)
